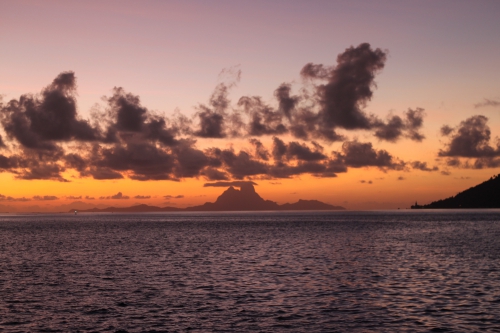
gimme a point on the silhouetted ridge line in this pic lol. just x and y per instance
(244, 199)
(484, 195)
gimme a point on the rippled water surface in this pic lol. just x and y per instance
(414, 271)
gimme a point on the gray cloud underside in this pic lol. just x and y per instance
(44, 135)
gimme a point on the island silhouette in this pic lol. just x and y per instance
(232, 199)
(484, 195)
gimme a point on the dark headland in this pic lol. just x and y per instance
(244, 199)
(484, 195)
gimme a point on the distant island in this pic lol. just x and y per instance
(484, 195)
(244, 199)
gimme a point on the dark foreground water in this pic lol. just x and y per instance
(413, 271)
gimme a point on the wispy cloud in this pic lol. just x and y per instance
(487, 102)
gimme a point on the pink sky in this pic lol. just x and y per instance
(442, 57)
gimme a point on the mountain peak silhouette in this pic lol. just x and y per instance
(232, 199)
(243, 199)
(246, 198)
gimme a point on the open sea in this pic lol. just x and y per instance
(376, 271)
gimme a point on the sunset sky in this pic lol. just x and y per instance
(364, 104)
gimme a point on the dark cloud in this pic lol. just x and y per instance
(144, 160)
(471, 139)
(296, 150)
(156, 130)
(190, 161)
(392, 130)
(180, 196)
(49, 171)
(446, 130)
(279, 148)
(212, 117)
(89, 198)
(315, 71)
(240, 165)
(76, 161)
(126, 109)
(349, 86)
(142, 197)
(117, 196)
(125, 139)
(293, 158)
(413, 123)
(485, 162)
(487, 102)
(283, 170)
(343, 98)
(445, 172)
(401, 178)
(286, 102)
(214, 174)
(264, 120)
(304, 153)
(2, 144)
(423, 166)
(396, 127)
(45, 197)
(260, 151)
(38, 122)
(227, 184)
(71, 197)
(453, 162)
(211, 125)
(366, 182)
(357, 154)
(128, 120)
(104, 173)
(8, 162)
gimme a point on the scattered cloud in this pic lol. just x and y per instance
(45, 197)
(471, 140)
(124, 139)
(71, 197)
(423, 166)
(9, 198)
(117, 196)
(180, 196)
(366, 182)
(142, 197)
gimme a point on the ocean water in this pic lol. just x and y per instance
(389, 271)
